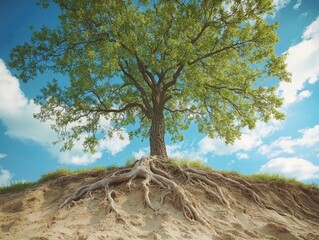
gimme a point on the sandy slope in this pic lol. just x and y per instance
(291, 213)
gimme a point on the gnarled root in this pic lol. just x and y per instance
(146, 169)
(200, 176)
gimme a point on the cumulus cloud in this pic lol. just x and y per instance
(249, 140)
(5, 177)
(279, 4)
(297, 168)
(16, 113)
(297, 4)
(175, 151)
(303, 63)
(183, 151)
(2, 155)
(288, 145)
(242, 156)
(141, 152)
(117, 143)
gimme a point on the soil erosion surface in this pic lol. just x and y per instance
(154, 199)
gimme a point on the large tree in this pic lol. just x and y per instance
(161, 63)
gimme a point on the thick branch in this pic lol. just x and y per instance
(171, 83)
(142, 91)
(147, 75)
(218, 51)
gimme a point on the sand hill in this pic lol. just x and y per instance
(287, 212)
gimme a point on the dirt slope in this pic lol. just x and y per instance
(290, 212)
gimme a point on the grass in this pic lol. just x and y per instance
(277, 178)
(281, 179)
(54, 175)
(176, 162)
(19, 186)
(67, 172)
(192, 163)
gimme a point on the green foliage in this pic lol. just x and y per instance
(208, 62)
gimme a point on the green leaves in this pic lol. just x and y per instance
(206, 62)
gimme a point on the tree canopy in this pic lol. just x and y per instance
(156, 66)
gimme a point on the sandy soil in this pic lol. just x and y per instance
(291, 213)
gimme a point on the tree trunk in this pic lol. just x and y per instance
(157, 134)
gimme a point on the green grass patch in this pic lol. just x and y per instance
(18, 186)
(277, 178)
(67, 172)
(88, 170)
(281, 179)
(272, 177)
(231, 172)
(54, 175)
(192, 163)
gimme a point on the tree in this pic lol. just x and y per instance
(163, 63)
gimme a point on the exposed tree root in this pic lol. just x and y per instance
(156, 174)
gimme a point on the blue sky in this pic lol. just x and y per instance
(289, 147)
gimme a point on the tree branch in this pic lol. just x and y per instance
(126, 107)
(113, 110)
(147, 75)
(200, 33)
(142, 91)
(218, 51)
(167, 85)
(174, 78)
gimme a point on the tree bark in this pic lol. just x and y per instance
(157, 135)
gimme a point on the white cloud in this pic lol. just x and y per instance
(297, 168)
(242, 156)
(288, 145)
(249, 140)
(117, 143)
(303, 63)
(3, 155)
(16, 113)
(76, 157)
(279, 4)
(297, 5)
(232, 162)
(5, 177)
(312, 30)
(305, 14)
(181, 150)
(141, 152)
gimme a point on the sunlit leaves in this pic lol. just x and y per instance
(207, 62)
